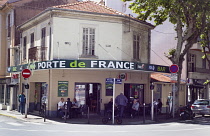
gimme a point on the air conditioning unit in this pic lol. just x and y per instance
(123, 76)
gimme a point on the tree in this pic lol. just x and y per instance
(190, 19)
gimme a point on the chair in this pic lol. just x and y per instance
(93, 105)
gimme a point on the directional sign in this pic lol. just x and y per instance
(174, 68)
(111, 81)
(118, 81)
(26, 73)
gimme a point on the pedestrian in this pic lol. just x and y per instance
(169, 102)
(22, 100)
(159, 106)
(121, 101)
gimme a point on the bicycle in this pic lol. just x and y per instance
(108, 117)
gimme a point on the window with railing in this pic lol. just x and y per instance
(8, 26)
(88, 41)
(204, 63)
(136, 46)
(43, 36)
(192, 63)
(32, 40)
(24, 47)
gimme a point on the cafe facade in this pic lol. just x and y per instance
(73, 52)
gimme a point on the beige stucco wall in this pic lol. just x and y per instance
(83, 76)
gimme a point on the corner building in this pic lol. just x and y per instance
(73, 50)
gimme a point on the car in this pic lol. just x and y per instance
(201, 107)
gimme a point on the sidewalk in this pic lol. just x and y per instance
(93, 119)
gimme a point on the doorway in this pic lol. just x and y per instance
(90, 95)
(134, 91)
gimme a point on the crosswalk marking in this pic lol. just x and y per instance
(34, 123)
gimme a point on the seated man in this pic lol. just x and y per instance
(61, 108)
(135, 108)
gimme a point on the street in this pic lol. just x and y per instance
(13, 127)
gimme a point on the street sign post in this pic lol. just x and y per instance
(113, 81)
(26, 73)
(174, 69)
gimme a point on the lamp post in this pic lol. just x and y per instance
(152, 106)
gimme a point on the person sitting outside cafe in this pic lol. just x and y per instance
(134, 108)
(75, 108)
(61, 108)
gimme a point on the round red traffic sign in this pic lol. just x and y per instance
(174, 68)
(26, 73)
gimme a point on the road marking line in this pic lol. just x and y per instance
(14, 124)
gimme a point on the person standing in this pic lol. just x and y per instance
(159, 106)
(169, 102)
(121, 101)
(22, 100)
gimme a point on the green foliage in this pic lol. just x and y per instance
(207, 82)
(160, 10)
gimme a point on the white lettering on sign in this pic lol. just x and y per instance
(93, 63)
(111, 64)
(131, 65)
(49, 64)
(102, 64)
(62, 64)
(55, 63)
(125, 65)
(119, 64)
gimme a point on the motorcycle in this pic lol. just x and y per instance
(186, 113)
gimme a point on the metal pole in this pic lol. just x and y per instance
(26, 104)
(144, 113)
(113, 101)
(152, 106)
(88, 115)
(44, 112)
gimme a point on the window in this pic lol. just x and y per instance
(191, 62)
(136, 46)
(24, 48)
(32, 40)
(88, 41)
(8, 26)
(204, 63)
(43, 35)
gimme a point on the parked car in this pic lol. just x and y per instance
(201, 107)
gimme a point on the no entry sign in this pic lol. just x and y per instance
(174, 68)
(26, 73)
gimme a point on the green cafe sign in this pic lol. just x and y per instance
(93, 64)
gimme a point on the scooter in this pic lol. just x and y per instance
(186, 113)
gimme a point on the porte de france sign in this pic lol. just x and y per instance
(90, 64)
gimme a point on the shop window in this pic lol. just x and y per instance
(1, 93)
(8, 96)
(88, 43)
(136, 46)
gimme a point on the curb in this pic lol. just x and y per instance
(8, 116)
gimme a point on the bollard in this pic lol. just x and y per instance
(144, 113)
(88, 116)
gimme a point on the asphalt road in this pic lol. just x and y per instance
(13, 127)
